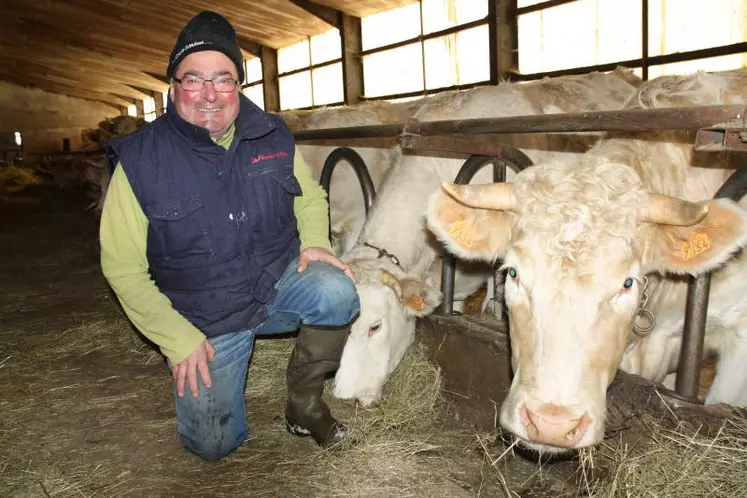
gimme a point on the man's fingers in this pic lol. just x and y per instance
(205, 373)
(349, 273)
(192, 377)
(210, 351)
(181, 377)
(302, 264)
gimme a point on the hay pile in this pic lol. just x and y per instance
(682, 461)
(110, 128)
(14, 179)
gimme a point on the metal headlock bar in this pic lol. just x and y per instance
(719, 129)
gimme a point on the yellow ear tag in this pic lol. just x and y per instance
(699, 243)
(416, 302)
(457, 232)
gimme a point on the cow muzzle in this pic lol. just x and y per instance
(554, 425)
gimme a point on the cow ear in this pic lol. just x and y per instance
(468, 232)
(419, 298)
(696, 248)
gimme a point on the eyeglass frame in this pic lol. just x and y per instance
(205, 80)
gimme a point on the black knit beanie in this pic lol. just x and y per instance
(207, 31)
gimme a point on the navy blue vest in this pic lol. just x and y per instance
(221, 224)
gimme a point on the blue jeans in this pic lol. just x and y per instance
(214, 424)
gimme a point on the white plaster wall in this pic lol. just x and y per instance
(45, 118)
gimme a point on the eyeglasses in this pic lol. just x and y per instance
(192, 83)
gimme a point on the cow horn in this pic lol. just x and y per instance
(387, 278)
(497, 196)
(671, 211)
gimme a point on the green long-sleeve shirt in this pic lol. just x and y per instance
(123, 236)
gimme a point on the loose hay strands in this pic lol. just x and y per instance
(679, 462)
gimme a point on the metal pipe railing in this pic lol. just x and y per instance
(519, 161)
(361, 171)
(696, 310)
(676, 118)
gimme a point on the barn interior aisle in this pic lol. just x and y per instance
(85, 407)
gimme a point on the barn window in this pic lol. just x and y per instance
(602, 31)
(311, 72)
(149, 109)
(611, 32)
(253, 87)
(19, 139)
(448, 47)
(132, 110)
(165, 97)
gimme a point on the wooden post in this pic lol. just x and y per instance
(270, 82)
(158, 99)
(139, 109)
(503, 40)
(352, 62)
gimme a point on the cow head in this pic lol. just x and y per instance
(576, 241)
(390, 300)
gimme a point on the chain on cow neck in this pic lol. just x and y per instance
(643, 314)
(384, 253)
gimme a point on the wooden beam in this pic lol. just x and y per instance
(158, 99)
(327, 14)
(270, 81)
(139, 109)
(253, 48)
(159, 77)
(75, 92)
(352, 62)
(503, 40)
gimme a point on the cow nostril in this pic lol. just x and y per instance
(526, 421)
(554, 425)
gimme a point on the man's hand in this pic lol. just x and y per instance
(187, 369)
(324, 255)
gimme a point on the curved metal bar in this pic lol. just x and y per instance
(696, 312)
(508, 155)
(359, 166)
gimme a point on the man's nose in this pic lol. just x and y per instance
(208, 91)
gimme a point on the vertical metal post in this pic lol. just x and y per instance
(644, 39)
(691, 353)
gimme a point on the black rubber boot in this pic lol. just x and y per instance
(316, 353)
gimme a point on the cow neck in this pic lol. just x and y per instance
(383, 253)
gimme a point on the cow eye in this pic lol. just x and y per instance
(512, 273)
(628, 283)
(373, 329)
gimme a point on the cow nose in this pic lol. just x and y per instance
(554, 425)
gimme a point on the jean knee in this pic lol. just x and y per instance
(213, 446)
(337, 299)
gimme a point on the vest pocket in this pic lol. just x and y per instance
(180, 227)
(278, 214)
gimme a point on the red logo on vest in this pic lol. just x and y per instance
(265, 157)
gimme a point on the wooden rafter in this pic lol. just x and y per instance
(99, 49)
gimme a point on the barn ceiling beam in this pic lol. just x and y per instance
(327, 14)
(160, 77)
(249, 46)
(75, 92)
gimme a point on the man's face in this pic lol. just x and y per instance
(207, 108)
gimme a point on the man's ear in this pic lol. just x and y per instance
(419, 298)
(468, 232)
(698, 248)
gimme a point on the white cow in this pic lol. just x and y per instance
(393, 293)
(578, 241)
(347, 210)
